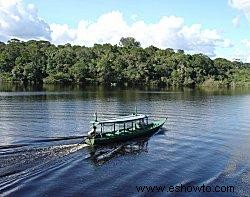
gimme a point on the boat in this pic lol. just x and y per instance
(102, 154)
(120, 129)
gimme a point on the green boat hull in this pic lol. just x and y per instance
(113, 137)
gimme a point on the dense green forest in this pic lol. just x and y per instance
(37, 62)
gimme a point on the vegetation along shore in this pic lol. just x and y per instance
(38, 62)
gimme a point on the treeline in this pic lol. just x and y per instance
(37, 62)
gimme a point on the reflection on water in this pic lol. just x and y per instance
(101, 155)
(206, 140)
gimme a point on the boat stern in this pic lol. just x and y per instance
(160, 122)
(90, 141)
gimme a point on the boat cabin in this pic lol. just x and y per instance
(119, 124)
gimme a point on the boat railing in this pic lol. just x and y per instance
(157, 117)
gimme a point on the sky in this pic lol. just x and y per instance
(217, 28)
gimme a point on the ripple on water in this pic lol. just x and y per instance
(205, 140)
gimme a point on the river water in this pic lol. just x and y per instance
(206, 140)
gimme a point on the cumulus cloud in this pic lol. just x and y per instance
(62, 34)
(20, 21)
(242, 5)
(246, 42)
(134, 17)
(169, 31)
(236, 21)
(243, 55)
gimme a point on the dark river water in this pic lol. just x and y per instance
(205, 141)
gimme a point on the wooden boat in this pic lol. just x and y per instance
(122, 129)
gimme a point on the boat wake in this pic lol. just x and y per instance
(22, 163)
(53, 139)
(101, 155)
(18, 161)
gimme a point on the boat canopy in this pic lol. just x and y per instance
(121, 119)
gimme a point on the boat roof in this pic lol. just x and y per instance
(121, 119)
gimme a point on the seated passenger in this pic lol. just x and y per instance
(92, 132)
(141, 124)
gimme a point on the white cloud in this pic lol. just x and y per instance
(62, 34)
(236, 21)
(242, 55)
(227, 43)
(19, 21)
(242, 5)
(134, 17)
(246, 42)
(169, 31)
(248, 58)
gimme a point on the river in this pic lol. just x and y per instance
(206, 140)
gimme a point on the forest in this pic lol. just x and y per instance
(39, 62)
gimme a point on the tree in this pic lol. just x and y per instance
(129, 42)
(40, 61)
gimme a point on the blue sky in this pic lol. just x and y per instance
(215, 27)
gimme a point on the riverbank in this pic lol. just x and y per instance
(16, 87)
(39, 62)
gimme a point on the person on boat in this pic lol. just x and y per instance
(92, 132)
(141, 123)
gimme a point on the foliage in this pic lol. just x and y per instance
(42, 62)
